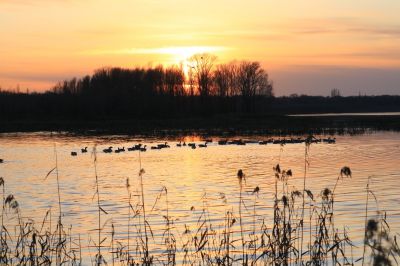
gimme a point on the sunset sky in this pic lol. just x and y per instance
(306, 46)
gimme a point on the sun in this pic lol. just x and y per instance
(182, 53)
(179, 55)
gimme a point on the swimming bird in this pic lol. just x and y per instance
(143, 149)
(179, 144)
(108, 150)
(162, 146)
(120, 150)
(138, 146)
(135, 147)
(222, 142)
(74, 153)
(251, 141)
(1, 160)
(84, 150)
(330, 140)
(237, 142)
(203, 145)
(192, 144)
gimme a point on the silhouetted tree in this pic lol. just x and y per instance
(335, 92)
(151, 92)
(202, 65)
(252, 81)
(174, 81)
(225, 79)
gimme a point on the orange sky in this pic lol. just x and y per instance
(306, 46)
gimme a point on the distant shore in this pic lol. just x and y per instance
(232, 124)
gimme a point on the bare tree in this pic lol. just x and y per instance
(202, 65)
(221, 80)
(155, 79)
(225, 80)
(335, 92)
(191, 80)
(253, 80)
(174, 80)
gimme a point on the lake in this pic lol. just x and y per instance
(349, 114)
(195, 180)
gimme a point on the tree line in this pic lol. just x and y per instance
(203, 78)
(200, 88)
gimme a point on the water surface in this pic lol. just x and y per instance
(349, 114)
(194, 179)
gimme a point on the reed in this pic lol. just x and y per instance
(99, 259)
(241, 178)
(129, 218)
(147, 259)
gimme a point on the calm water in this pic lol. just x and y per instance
(190, 174)
(351, 114)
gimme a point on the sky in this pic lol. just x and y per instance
(307, 47)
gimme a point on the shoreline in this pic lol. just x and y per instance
(223, 125)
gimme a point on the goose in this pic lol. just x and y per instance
(1, 160)
(108, 150)
(276, 141)
(330, 140)
(263, 142)
(138, 146)
(143, 149)
(155, 148)
(203, 145)
(120, 150)
(237, 142)
(316, 140)
(193, 146)
(84, 150)
(184, 144)
(135, 147)
(74, 153)
(298, 140)
(179, 144)
(162, 146)
(222, 142)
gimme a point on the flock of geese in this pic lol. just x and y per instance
(193, 145)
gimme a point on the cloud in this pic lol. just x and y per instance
(173, 50)
(385, 31)
(340, 25)
(32, 2)
(36, 77)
